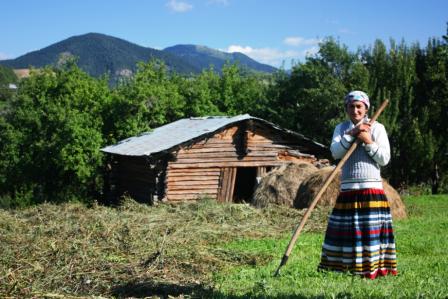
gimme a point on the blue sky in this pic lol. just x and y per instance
(269, 31)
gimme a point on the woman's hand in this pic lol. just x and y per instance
(365, 137)
(362, 132)
(361, 127)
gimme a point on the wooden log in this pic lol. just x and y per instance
(229, 148)
(193, 184)
(189, 178)
(193, 175)
(192, 197)
(263, 146)
(232, 185)
(223, 159)
(232, 154)
(226, 164)
(297, 159)
(226, 181)
(203, 191)
(212, 142)
(197, 188)
(194, 170)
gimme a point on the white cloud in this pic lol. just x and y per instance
(298, 41)
(179, 6)
(221, 2)
(4, 56)
(310, 51)
(274, 57)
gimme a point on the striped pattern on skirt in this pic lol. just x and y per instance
(359, 237)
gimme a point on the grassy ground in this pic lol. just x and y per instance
(203, 249)
(422, 261)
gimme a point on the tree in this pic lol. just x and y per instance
(311, 99)
(148, 100)
(51, 137)
(201, 94)
(241, 92)
(432, 103)
(7, 77)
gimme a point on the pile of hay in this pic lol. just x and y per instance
(314, 182)
(397, 206)
(280, 185)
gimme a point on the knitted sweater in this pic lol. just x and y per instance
(362, 169)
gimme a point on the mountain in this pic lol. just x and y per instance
(99, 54)
(203, 57)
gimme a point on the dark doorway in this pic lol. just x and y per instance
(245, 182)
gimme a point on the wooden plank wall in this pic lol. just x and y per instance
(192, 183)
(226, 184)
(203, 168)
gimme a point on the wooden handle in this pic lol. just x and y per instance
(330, 178)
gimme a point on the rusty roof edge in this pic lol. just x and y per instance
(291, 132)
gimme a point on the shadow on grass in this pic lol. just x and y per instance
(170, 290)
(160, 289)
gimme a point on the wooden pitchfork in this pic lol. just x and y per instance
(330, 178)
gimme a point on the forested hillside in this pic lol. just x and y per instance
(100, 54)
(54, 126)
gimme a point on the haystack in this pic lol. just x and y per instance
(397, 206)
(280, 185)
(313, 183)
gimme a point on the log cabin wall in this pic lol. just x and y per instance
(135, 177)
(208, 167)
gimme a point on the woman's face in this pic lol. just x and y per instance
(356, 110)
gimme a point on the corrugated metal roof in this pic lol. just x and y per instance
(171, 135)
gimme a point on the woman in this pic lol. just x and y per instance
(359, 237)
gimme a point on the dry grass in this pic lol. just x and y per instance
(74, 250)
(312, 184)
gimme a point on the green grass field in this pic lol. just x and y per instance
(422, 261)
(204, 249)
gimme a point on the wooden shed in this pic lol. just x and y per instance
(216, 157)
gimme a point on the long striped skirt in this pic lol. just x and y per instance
(359, 237)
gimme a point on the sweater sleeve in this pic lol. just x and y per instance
(340, 143)
(379, 150)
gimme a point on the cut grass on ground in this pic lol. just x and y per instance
(204, 249)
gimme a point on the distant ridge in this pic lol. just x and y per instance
(203, 57)
(100, 54)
